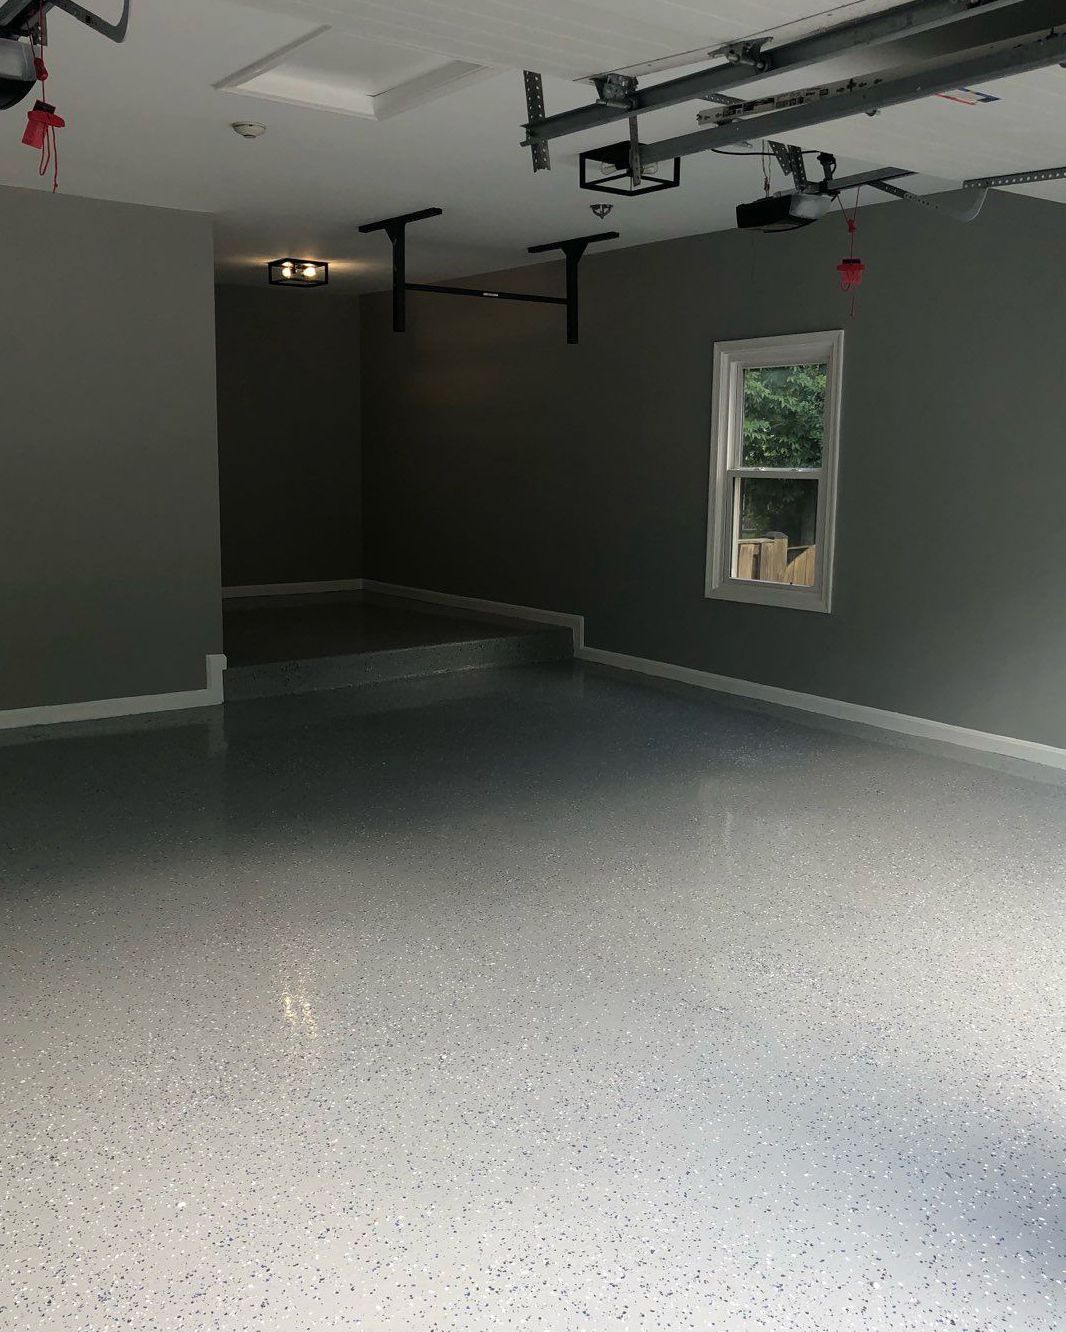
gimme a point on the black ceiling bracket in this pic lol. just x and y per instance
(540, 152)
(636, 169)
(620, 168)
(396, 230)
(20, 17)
(24, 25)
(573, 252)
(615, 90)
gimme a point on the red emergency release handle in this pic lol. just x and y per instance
(38, 122)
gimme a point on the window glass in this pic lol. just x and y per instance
(778, 531)
(784, 416)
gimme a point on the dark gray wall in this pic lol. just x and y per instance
(288, 420)
(501, 463)
(109, 556)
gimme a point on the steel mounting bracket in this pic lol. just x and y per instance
(746, 53)
(538, 151)
(615, 90)
(790, 160)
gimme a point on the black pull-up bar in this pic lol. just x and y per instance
(573, 250)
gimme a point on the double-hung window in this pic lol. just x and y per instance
(775, 432)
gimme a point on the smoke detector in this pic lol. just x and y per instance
(248, 129)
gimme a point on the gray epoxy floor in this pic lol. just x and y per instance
(527, 1000)
(294, 628)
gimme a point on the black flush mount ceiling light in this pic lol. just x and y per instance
(609, 170)
(298, 273)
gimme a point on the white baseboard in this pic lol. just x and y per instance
(95, 709)
(575, 623)
(292, 589)
(923, 728)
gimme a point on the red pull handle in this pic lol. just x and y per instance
(38, 122)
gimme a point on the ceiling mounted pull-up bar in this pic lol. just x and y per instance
(396, 230)
(573, 250)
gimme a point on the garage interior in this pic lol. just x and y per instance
(544, 809)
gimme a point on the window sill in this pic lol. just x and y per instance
(769, 594)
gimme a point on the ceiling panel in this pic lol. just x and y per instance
(566, 38)
(372, 66)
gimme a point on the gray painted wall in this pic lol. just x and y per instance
(501, 463)
(288, 420)
(109, 555)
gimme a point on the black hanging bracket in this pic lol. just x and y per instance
(396, 230)
(21, 17)
(573, 251)
(24, 26)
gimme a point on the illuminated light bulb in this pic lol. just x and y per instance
(293, 272)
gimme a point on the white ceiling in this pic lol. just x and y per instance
(346, 56)
(147, 124)
(569, 39)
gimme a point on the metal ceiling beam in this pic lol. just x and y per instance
(878, 174)
(968, 214)
(1016, 178)
(20, 11)
(876, 92)
(902, 20)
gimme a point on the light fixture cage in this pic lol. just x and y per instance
(615, 159)
(298, 272)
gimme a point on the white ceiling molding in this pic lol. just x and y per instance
(351, 76)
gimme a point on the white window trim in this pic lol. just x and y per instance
(731, 359)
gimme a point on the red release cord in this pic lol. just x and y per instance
(851, 269)
(42, 122)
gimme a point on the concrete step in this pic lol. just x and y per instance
(269, 679)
